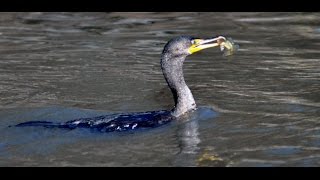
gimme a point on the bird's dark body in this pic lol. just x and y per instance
(112, 122)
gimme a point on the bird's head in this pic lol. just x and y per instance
(186, 45)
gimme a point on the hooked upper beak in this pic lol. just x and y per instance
(200, 44)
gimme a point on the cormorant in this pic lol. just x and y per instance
(172, 59)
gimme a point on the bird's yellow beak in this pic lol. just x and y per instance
(200, 44)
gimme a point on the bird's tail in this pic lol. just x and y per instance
(47, 124)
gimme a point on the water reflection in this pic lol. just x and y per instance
(269, 90)
(188, 141)
(189, 137)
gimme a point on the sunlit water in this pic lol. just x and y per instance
(260, 107)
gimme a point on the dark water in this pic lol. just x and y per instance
(62, 66)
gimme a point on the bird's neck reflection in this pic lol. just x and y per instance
(188, 141)
(189, 137)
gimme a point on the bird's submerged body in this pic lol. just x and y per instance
(111, 122)
(172, 59)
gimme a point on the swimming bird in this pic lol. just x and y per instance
(173, 56)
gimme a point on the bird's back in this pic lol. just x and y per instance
(112, 122)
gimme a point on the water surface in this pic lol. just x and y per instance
(60, 66)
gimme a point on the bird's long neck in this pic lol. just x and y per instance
(173, 73)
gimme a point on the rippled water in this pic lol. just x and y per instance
(62, 66)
